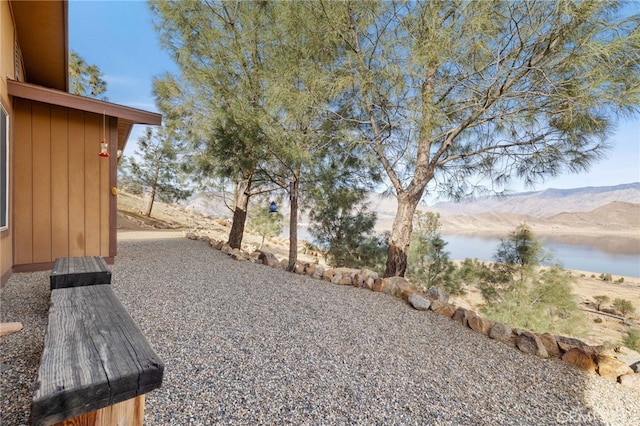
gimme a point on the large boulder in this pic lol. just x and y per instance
(501, 332)
(268, 258)
(630, 380)
(318, 273)
(478, 324)
(611, 368)
(629, 357)
(390, 285)
(441, 308)
(568, 343)
(529, 343)
(579, 358)
(461, 315)
(550, 345)
(418, 302)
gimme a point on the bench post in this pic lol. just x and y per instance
(129, 412)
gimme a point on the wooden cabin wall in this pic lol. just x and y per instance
(7, 69)
(62, 185)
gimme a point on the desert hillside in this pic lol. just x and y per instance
(617, 218)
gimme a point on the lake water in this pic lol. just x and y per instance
(616, 256)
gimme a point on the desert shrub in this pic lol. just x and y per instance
(518, 293)
(593, 275)
(606, 277)
(632, 339)
(620, 280)
(597, 320)
(624, 306)
(599, 300)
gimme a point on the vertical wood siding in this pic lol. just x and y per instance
(62, 191)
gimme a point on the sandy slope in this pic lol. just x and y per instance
(169, 220)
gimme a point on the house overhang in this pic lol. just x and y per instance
(127, 116)
(42, 31)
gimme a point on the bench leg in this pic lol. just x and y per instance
(125, 413)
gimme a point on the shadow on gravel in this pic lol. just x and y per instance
(247, 344)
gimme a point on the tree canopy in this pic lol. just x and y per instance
(450, 97)
(85, 79)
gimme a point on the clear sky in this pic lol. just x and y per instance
(119, 38)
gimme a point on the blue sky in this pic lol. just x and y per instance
(119, 38)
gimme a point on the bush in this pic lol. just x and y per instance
(620, 280)
(624, 306)
(521, 294)
(632, 340)
(599, 300)
(606, 277)
(597, 320)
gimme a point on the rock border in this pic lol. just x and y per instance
(621, 365)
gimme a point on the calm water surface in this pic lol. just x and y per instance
(615, 256)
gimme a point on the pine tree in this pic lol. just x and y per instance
(85, 79)
(157, 168)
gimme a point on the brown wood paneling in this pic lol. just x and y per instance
(59, 183)
(93, 135)
(76, 183)
(22, 195)
(113, 183)
(105, 190)
(41, 136)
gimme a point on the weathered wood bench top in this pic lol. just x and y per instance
(94, 356)
(79, 271)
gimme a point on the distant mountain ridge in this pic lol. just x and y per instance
(546, 203)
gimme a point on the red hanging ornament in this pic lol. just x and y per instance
(104, 146)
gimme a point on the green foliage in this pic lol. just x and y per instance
(624, 306)
(519, 293)
(632, 339)
(520, 252)
(620, 280)
(343, 227)
(600, 299)
(428, 261)
(85, 79)
(543, 304)
(597, 320)
(267, 224)
(126, 180)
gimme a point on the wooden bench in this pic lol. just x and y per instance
(96, 365)
(79, 271)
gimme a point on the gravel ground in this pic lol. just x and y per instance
(246, 344)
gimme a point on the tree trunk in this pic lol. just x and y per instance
(152, 197)
(239, 213)
(154, 188)
(401, 236)
(293, 222)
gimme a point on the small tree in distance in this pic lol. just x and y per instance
(266, 223)
(521, 294)
(600, 299)
(158, 169)
(624, 306)
(428, 262)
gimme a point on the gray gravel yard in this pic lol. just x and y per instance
(246, 344)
